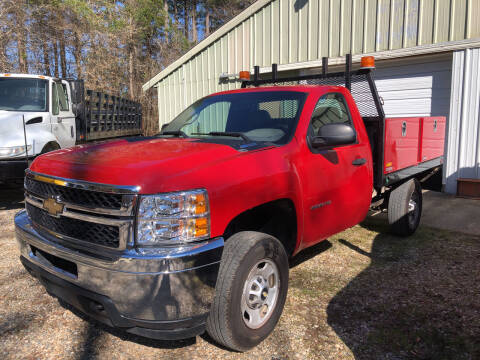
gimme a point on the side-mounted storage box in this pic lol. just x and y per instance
(401, 143)
(432, 140)
(413, 140)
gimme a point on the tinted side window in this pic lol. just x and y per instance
(55, 107)
(330, 109)
(64, 98)
(61, 94)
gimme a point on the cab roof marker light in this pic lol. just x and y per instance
(244, 75)
(241, 76)
(367, 62)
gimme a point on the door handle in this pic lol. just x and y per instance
(59, 120)
(359, 161)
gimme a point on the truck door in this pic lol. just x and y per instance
(337, 181)
(63, 119)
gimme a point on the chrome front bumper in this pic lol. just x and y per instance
(161, 296)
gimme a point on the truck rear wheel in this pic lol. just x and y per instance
(250, 292)
(405, 208)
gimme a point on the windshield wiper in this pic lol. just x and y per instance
(178, 133)
(227, 133)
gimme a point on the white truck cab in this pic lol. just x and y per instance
(37, 115)
(43, 103)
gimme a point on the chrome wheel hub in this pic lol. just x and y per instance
(413, 209)
(260, 294)
(412, 205)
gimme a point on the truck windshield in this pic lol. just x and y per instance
(18, 94)
(261, 116)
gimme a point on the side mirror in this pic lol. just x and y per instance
(164, 126)
(333, 135)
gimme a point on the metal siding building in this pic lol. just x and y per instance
(422, 47)
(463, 147)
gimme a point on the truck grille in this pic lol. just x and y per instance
(80, 197)
(90, 232)
(93, 215)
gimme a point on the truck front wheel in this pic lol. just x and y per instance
(405, 208)
(51, 146)
(251, 290)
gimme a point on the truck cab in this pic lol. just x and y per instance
(39, 114)
(36, 116)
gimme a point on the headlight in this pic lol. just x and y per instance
(173, 218)
(13, 151)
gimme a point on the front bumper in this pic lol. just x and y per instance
(156, 296)
(12, 170)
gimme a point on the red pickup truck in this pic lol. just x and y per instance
(192, 229)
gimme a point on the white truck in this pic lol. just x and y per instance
(39, 114)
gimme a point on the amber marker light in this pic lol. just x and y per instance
(200, 204)
(201, 227)
(244, 75)
(367, 62)
(50, 180)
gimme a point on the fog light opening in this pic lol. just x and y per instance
(96, 307)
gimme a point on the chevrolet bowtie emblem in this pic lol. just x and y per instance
(52, 206)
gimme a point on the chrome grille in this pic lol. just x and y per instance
(80, 213)
(80, 197)
(99, 234)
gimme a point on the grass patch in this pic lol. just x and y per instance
(418, 298)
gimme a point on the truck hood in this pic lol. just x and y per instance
(145, 162)
(11, 127)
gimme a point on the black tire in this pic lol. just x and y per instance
(242, 252)
(404, 222)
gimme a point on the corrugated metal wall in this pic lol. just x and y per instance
(463, 142)
(293, 31)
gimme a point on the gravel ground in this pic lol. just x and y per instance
(361, 294)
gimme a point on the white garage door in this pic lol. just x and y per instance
(418, 87)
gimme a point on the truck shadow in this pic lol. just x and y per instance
(11, 197)
(96, 330)
(309, 253)
(418, 298)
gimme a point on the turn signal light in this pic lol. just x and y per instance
(200, 227)
(367, 62)
(50, 180)
(244, 75)
(199, 203)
